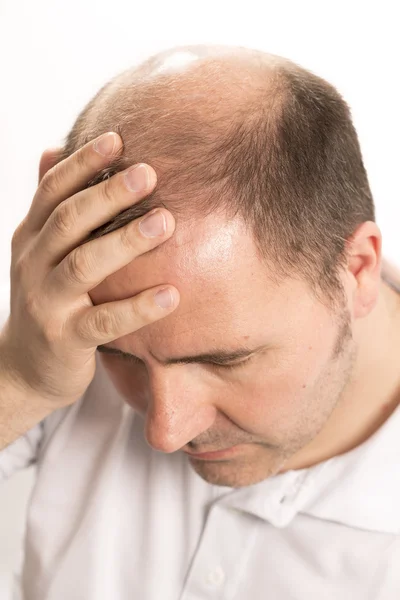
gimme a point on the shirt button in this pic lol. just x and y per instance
(216, 577)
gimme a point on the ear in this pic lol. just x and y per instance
(364, 267)
(48, 159)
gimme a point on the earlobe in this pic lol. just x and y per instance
(366, 301)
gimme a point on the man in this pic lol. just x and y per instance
(260, 459)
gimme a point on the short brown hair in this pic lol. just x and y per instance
(267, 141)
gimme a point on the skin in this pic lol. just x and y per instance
(323, 384)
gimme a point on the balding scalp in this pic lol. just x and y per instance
(248, 133)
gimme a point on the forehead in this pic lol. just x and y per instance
(210, 252)
(224, 287)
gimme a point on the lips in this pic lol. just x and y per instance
(214, 455)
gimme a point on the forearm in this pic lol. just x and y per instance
(20, 410)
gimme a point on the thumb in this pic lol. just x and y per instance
(49, 158)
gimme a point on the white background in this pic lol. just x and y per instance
(55, 55)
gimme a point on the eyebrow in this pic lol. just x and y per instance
(216, 356)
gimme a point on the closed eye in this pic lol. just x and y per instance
(132, 359)
(213, 365)
(233, 365)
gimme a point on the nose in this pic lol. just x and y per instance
(178, 410)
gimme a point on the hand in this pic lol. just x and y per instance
(50, 338)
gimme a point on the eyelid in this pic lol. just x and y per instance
(133, 359)
(137, 361)
(232, 365)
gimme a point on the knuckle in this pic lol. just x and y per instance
(16, 237)
(141, 310)
(48, 327)
(129, 238)
(31, 303)
(21, 267)
(77, 266)
(53, 331)
(19, 237)
(51, 181)
(106, 191)
(62, 219)
(81, 158)
(102, 323)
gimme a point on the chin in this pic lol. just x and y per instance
(235, 473)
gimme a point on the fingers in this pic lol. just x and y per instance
(89, 264)
(72, 221)
(109, 321)
(48, 159)
(69, 176)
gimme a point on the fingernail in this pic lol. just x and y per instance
(137, 179)
(164, 298)
(106, 144)
(153, 224)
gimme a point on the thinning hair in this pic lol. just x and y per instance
(249, 134)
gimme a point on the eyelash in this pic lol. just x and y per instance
(131, 359)
(229, 367)
(136, 361)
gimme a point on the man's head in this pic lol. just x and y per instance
(275, 248)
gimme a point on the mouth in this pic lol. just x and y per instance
(216, 455)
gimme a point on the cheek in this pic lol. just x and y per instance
(270, 405)
(276, 395)
(130, 380)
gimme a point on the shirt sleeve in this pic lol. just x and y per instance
(23, 451)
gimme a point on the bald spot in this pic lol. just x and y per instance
(177, 112)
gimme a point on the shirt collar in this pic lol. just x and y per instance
(360, 488)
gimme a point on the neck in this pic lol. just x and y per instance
(374, 390)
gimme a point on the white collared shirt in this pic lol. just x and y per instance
(110, 518)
